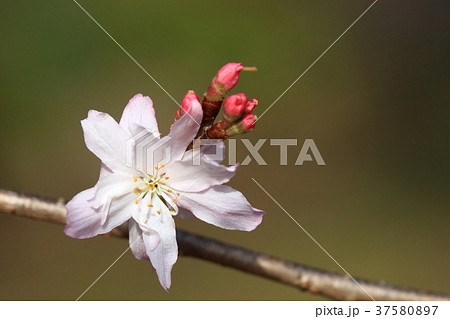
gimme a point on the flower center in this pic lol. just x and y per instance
(153, 191)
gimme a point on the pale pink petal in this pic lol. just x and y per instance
(184, 130)
(106, 139)
(197, 174)
(213, 151)
(111, 185)
(151, 238)
(84, 221)
(156, 153)
(120, 210)
(164, 256)
(222, 206)
(139, 111)
(137, 245)
(140, 215)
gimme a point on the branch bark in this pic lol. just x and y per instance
(326, 283)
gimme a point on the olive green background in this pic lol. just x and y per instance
(376, 105)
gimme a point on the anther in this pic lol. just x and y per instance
(150, 205)
(134, 179)
(175, 200)
(136, 201)
(159, 213)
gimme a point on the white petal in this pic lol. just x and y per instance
(120, 210)
(139, 111)
(141, 215)
(111, 185)
(84, 221)
(222, 206)
(137, 245)
(164, 256)
(197, 174)
(214, 150)
(106, 139)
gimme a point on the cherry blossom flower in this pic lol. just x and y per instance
(148, 198)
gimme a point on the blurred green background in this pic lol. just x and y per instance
(376, 105)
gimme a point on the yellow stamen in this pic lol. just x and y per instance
(162, 165)
(151, 185)
(169, 190)
(137, 191)
(175, 200)
(156, 167)
(136, 201)
(150, 205)
(159, 213)
(134, 179)
(172, 211)
(167, 177)
(178, 194)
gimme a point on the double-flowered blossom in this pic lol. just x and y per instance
(147, 198)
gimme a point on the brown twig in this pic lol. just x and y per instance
(317, 281)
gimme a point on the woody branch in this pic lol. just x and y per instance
(317, 281)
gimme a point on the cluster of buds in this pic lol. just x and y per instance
(237, 114)
(237, 109)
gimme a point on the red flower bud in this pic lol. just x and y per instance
(188, 99)
(234, 105)
(251, 104)
(186, 103)
(249, 122)
(178, 114)
(228, 75)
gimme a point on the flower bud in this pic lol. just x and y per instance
(247, 123)
(234, 106)
(186, 103)
(178, 114)
(225, 80)
(228, 75)
(251, 104)
(188, 99)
